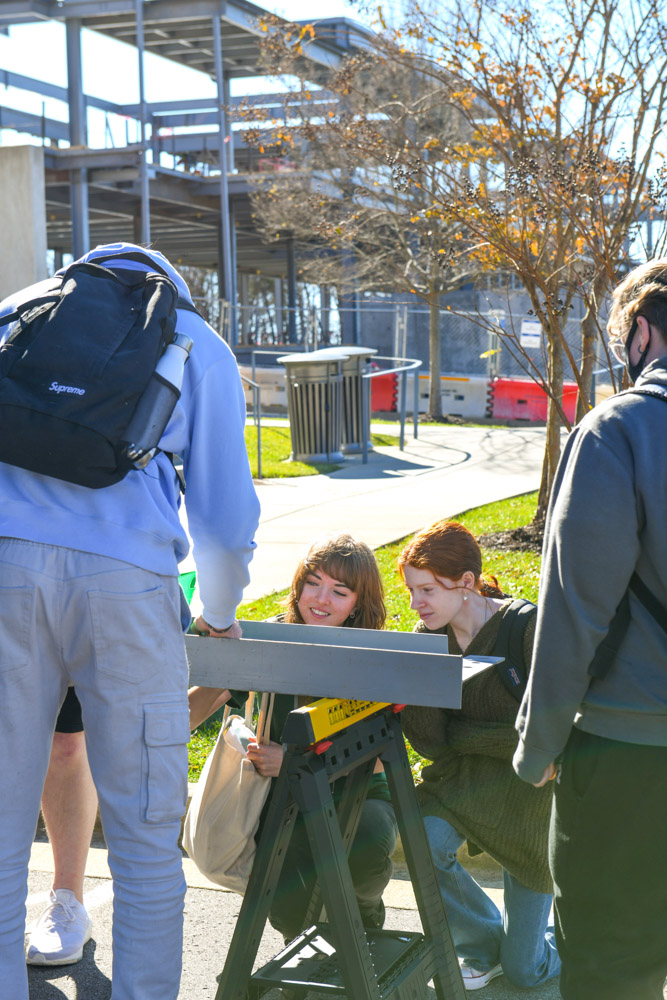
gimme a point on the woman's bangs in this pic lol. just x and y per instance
(345, 569)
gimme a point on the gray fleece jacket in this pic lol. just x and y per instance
(607, 518)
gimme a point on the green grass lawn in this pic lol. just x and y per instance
(517, 572)
(276, 448)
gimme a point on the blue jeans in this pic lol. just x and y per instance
(520, 939)
(113, 630)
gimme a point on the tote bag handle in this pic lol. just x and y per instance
(265, 713)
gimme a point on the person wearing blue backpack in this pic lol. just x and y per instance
(90, 541)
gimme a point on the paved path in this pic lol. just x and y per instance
(448, 469)
(210, 915)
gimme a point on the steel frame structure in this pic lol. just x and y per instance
(104, 195)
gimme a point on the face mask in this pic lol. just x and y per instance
(622, 353)
(634, 371)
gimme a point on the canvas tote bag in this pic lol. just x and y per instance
(223, 815)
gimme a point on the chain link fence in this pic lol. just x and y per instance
(472, 344)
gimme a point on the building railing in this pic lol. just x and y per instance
(404, 366)
(257, 412)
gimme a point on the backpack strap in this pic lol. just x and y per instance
(144, 258)
(513, 670)
(610, 645)
(136, 255)
(47, 300)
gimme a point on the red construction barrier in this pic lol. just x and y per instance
(523, 399)
(384, 393)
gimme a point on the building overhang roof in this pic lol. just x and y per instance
(181, 30)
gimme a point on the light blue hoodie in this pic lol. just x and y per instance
(136, 520)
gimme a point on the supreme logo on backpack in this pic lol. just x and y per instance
(76, 361)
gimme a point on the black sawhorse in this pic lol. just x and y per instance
(340, 957)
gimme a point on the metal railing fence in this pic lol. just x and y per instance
(404, 366)
(257, 412)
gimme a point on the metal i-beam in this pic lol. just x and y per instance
(78, 137)
(227, 288)
(145, 217)
(325, 662)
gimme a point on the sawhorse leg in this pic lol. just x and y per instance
(447, 979)
(349, 814)
(335, 882)
(256, 904)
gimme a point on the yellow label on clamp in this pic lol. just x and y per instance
(327, 716)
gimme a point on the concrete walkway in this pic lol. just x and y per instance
(447, 470)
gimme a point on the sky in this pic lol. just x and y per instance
(110, 68)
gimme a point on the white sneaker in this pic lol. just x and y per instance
(473, 979)
(60, 933)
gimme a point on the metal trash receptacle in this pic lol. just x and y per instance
(314, 405)
(353, 386)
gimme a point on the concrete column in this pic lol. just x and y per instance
(23, 214)
(77, 137)
(348, 304)
(291, 291)
(144, 185)
(234, 327)
(325, 309)
(229, 135)
(225, 270)
(278, 298)
(244, 301)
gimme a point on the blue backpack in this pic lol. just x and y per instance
(76, 362)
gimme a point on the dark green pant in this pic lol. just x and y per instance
(608, 856)
(370, 867)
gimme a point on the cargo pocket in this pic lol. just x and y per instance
(165, 770)
(16, 618)
(129, 633)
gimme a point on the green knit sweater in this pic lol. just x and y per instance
(471, 783)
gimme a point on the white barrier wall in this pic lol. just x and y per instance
(272, 387)
(23, 214)
(462, 395)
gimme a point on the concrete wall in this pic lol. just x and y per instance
(23, 217)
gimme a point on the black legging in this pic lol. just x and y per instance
(370, 867)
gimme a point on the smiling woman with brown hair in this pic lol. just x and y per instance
(336, 584)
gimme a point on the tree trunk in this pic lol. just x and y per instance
(586, 396)
(435, 355)
(554, 424)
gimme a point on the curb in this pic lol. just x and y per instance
(482, 864)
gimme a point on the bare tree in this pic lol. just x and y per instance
(338, 193)
(486, 135)
(564, 107)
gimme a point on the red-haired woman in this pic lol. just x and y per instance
(470, 791)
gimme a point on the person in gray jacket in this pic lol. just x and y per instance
(605, 547)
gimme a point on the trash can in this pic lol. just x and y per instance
(314, 405)
(353, 369)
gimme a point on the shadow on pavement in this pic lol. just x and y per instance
(58, 982)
